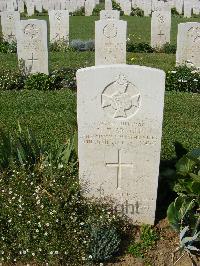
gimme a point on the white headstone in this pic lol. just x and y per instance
(8, 22)
(188, 44)
(179, 6)
(120, 112)
(59, 25)
(126, 7)
(108, 5)
(110, 42)
(187, 8)
(89, 6)
(32, 45)
(21, 6)
(30, 8)
(109, 14)
(160, 28)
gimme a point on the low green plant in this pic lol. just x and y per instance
(169, 48)
(59, 46)
(96, 11)
(10, 80)
(116, 6)
(104, 243)
(138, 47)
(8, 48)
(184, 213)
(184, 79)
(39, 81)
(137, 12)
(79, 12)
(82, 46)
(148, 238)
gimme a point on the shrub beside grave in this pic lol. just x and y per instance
(184, 213)
(183, 79)
(43, 216)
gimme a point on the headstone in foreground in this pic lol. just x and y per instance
(120, 112)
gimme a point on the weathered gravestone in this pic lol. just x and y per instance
(109, 14)
(59, 25)
(110, 42)
(187, 8)
(120, 112)
(89, 6)
(8, 21)
(32, 45)
(30, 6)
(160, 28)
(188, 44)
(126, 7)
(21, 6)
(108, 5)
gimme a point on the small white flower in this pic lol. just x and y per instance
(33, 254)
(56, 252)
(47, 224)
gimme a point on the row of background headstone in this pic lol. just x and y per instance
(182, 6)
(111, 35)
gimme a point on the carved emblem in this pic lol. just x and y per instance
(31, 31)
(58, 16)
(110, 31)
(121, 99)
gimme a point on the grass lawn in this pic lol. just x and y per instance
(52, 116)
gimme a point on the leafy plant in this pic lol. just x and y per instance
(96, 11)
(59, 46)
(11, 80)
(137, 12)
(184, 79)
(8, 48)
(39, 81)
(116, 6)
(80, 45)
(79, 12)
(138, 47)
(148, 238)
(104, 243)
(183, 214)
(169, 48)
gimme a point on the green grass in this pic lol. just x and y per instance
(52, 115)
(84, 27)
(84, 59)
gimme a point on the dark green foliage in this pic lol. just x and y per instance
(148, 238)
(39, 81)
(137, 12)
(79, 12)
(184, 213)
(81, 45)
(96, 11)
(116, 6)
(64, 78)
(139, 47)
(104, 243)
(169, 48)
(8, 48)
(10, 80)
(59, 46)
(58, 79)
(183, 79)
(43, 216)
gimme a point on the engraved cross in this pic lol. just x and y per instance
(161, 34)
(119, 165)
(11, 35)
(32, 59)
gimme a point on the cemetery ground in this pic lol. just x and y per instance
(59, 229)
